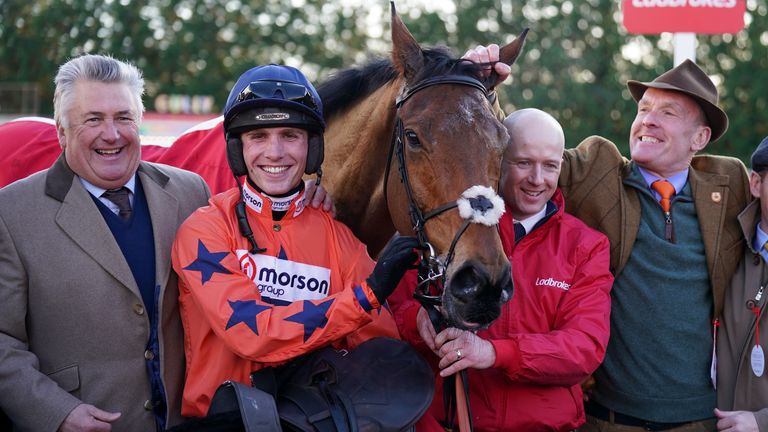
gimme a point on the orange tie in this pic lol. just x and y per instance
(666, 190)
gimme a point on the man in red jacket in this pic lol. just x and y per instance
(525, 370)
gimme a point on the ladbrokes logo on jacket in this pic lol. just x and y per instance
(281, 281)
(563, 285)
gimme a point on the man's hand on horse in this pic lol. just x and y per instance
(317, 196)
(397, 257)
(462, 349)
(490, 55)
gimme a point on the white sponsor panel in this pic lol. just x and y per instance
(300, 204)
(285, 280)
(281, 204)
(253, 200)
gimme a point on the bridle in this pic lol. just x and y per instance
(472, 204)
(432, 270)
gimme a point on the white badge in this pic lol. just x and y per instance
(713, 366)
(757, 358)
(713, 369)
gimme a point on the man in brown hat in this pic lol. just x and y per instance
(675, 242)
(670, 216)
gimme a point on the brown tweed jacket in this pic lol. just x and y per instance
(592, 180)
(73, 327)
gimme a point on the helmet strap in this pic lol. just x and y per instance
(242, 222)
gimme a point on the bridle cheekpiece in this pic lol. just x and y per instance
(477, 204)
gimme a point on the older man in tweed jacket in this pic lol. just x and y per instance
(672, 261)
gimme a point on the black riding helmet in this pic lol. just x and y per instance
(273, 96)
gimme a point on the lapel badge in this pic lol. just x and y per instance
(717, 197)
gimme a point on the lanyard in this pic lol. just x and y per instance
(757, 356)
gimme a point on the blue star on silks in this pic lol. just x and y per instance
(312, 317)
(282, 255)
(207, 263)
(245, 311)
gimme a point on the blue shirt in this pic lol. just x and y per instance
(678, 180)
(757, 243)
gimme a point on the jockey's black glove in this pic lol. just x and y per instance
(396, 258)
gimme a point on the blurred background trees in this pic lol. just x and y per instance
(576, 60)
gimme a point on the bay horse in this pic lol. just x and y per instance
(450, 140)
(408, 137)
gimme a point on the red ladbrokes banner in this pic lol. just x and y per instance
(694, 16)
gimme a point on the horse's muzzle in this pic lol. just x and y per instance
(473, 298)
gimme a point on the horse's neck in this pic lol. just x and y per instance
(357, 145)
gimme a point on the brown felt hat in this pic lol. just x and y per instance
(688, 78)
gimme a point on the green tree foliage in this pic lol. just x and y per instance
(577, 57)
(182, 46)
(741, 61)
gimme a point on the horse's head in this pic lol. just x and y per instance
(448, 140)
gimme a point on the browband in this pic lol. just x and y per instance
(445, 79)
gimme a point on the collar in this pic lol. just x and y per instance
(749, 219)
(678, 180)
(530, 222)
(60, 178)
(264, 204)
(97, 191)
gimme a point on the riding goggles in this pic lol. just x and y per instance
(278, 90)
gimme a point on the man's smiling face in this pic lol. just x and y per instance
(668, 130)
(531, 165)
(101, 137)
(276, 157)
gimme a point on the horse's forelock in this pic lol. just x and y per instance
(439, 61)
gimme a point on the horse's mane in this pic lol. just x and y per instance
(346, 87)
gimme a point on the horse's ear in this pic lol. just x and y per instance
(406, 52)
(509, 52)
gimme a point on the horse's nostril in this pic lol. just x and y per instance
(473, 298)
(467, 283)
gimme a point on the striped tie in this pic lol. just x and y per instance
(121, 200)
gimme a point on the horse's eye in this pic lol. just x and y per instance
(413, 139)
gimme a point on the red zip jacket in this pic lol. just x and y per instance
(242, 312)
(549, 337)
